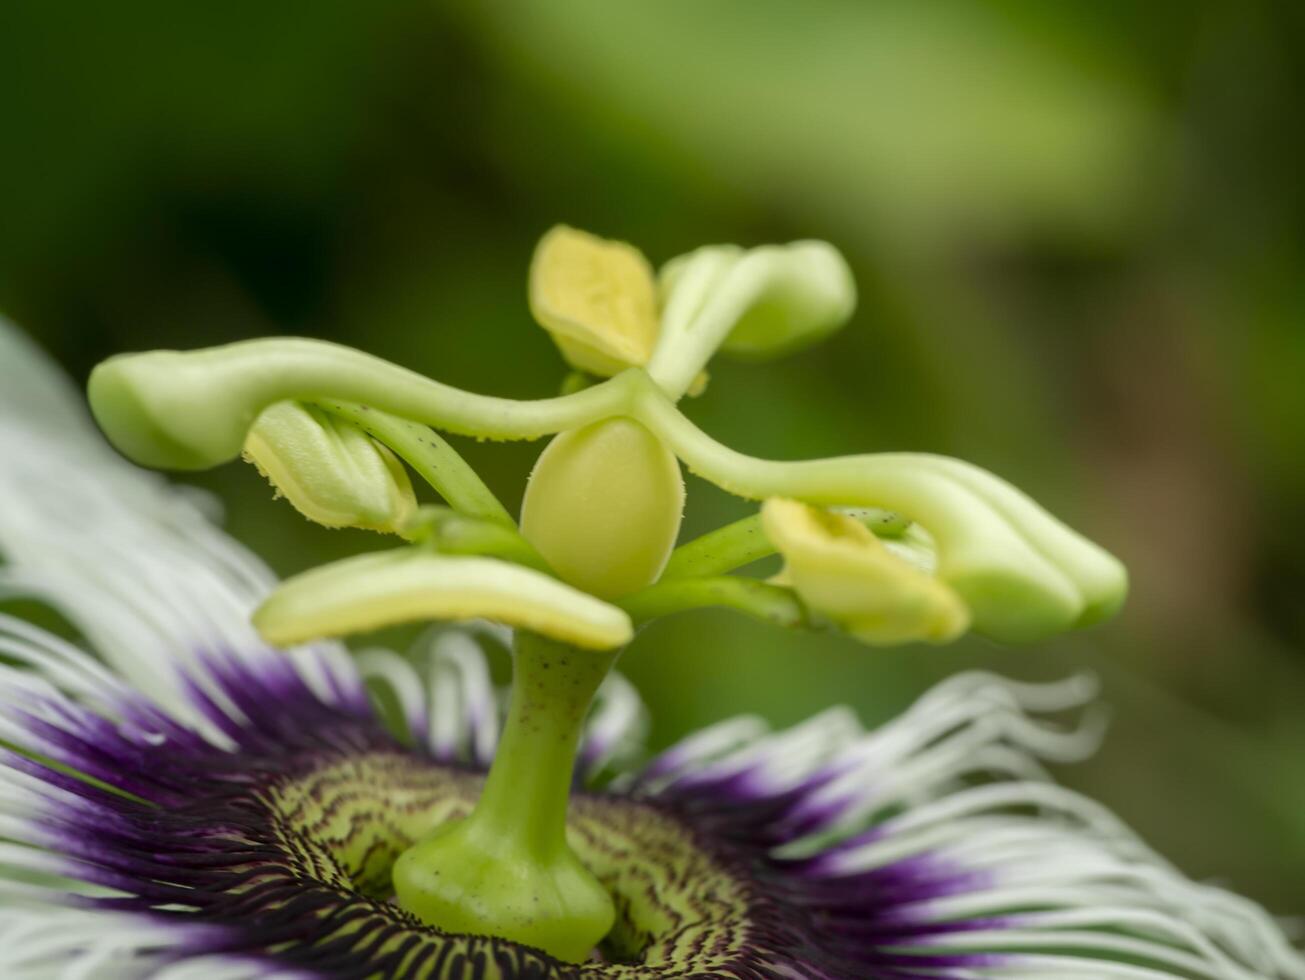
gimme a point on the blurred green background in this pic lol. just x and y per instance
(1076, 227)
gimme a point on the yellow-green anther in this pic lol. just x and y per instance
(758, 302)
(596, 298)
(603, 507)
(330, 470)
(414, 584)
(846, 574)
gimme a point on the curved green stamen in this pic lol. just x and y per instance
(433, 459)
(452, 533)
(762, 600)
(1023, 573)
(758, 302)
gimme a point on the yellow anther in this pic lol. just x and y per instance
(330, 470)
(844, 573)
(596, 298)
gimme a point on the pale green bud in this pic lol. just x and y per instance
(332, 471)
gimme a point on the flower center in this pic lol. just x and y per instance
(681, 905)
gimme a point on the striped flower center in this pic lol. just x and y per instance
(334, 832)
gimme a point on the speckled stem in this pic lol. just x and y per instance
(507, 869)
(525, 795)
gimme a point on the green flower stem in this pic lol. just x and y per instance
(526, 792)
(451, 533)
(771, 603)
(507, 869)
(430, 455)
(743, 542)
(720, 551)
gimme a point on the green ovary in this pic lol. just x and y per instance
(604, 505)
(603, 508)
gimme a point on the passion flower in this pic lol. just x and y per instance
(207, 784)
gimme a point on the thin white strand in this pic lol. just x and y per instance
(915, 781)
(70, 667)
(1046, 796)
(708, 744)
(616, 726)
(1051, 966)
(1041, 697)
(1085, 944)
(223, 968)
(400, 677)
(325, 666)
(883, 754)
(463, 708)
(1160, 923)
(479, 695)
(1091, 946)
(62, 941)
(779, 761)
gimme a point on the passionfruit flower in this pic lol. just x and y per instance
(203, 782)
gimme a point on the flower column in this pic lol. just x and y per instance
(603, 507)
(507, 869)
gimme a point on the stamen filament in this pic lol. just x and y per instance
(452, 533)
(431, 456)
(720, 551)
(744, 541)
(773, 603)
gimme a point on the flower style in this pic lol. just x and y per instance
(208, 784)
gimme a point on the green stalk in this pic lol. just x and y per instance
(507, 869)
(526, 792)
(431, 456)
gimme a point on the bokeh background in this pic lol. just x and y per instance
(1076, 227)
